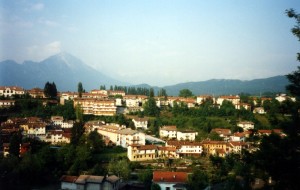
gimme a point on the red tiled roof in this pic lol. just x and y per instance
(222, 131)
(68, 178)
(180, 143)
(147, 147)
(175, 177)
(169, 128)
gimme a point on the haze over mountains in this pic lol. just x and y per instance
(66, 71)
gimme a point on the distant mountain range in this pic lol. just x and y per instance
(67, 71)
(63, 69)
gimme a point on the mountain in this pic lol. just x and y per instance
(67, 71)
(63, 69)
(227, 87)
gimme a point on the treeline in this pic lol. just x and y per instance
(135, 90)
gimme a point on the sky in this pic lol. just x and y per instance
(158, 42)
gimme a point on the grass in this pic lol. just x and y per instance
(111, 153)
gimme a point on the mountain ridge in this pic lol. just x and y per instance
(64, 69)
(67, 71)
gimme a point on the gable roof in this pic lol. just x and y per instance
(169, 128)
(68, 178)
(169, 177)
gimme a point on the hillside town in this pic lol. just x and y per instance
(142, 145)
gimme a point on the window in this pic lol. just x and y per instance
(167, 188)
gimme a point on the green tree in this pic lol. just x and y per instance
(162, 92)
(79, 113)
(120, 168)
(198, 180)
(294, 78)
(50, 90)
(146, 178)
(80, 89)
(185, 93)
(76, 133)
(155, 186)
(14, 144)
(95, 142)
(150, 108)
(214, 136)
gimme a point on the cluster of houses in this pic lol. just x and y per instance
(55, 131)
(107, 102)
(165, 180)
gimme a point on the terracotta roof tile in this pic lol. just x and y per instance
(175, 177)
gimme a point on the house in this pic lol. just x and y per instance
(259, 110)
(242, 106)
(121, 136)
(24, 147)
(89, 182)
(7, 103)
(236, 147)
(246, 125)
(233, 99)
(67, 96)
(36, 93)
(57, 120)
(161, 101)
(142, 152)
(116, 92)
(267, 132)
(283, 97)
(224, 133)
(190, 102)
(34, 128)
(9, 91)
(58, 136)
(95, 91)
(169, 132)
(170, 180)
(237, 137)
(186, 148)
(134, 101)
(259, 101)
(140, 123)
(186, 135)
(202, 98)
(68, 182)
(150, 152)
(219, 148)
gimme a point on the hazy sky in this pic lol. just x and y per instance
(159, 42)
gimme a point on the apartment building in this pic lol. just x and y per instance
(96, 106)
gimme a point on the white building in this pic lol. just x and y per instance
(284, 97)
(8, 91)
(6, 103)
(259, 110)
(186, 148)
(169, 132)
(202, 98)
(170, 180)
(57, 120)
(186, 135)
(121, 136)
(233, 99)
(246, 125)
(93, 106)
(140, 123)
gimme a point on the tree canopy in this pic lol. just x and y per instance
(185, 93)
(50, 90)
(294, 77)
(80, 89)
